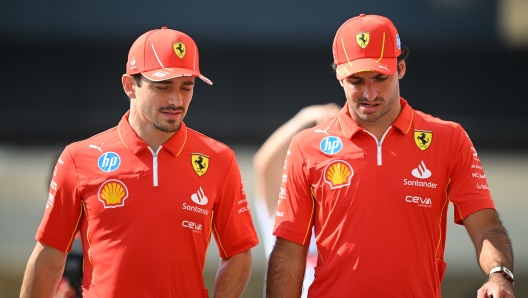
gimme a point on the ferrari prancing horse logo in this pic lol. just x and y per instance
(363, 39)
(423, 138)
(179, 49)
(200, 163)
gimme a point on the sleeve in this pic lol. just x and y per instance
(232, 223)
(294, 215)
(63, 208)
(468, 188)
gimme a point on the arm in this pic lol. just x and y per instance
(233, 275)
(493, 248)
(43, 272)
(269, 160)
(286, 269)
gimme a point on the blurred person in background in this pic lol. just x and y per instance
(71, 280)
(269, 164)
(147, 194)
(375, 182)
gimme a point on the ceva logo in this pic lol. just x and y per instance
(425, 202)
(192, 225)
(421, 171)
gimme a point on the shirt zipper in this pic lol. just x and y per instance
(155, 165)
(378, 145)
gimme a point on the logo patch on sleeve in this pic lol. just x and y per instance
(338, 173)
(113, 193)
(200, 163)
(423, 138)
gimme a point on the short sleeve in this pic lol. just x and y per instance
(232, 223)
(294, 215)
(63, 207)
(468, 188)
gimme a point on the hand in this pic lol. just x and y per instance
(64, 289)
(315, 114)
(497, 287)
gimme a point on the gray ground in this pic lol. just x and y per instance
(24, 182)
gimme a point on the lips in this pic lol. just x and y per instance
(370, 107)
(172, 114)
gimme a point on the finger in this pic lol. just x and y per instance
(483, 293)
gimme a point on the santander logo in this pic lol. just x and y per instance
(199, 197)
(421, 171)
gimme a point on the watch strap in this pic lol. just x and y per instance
(504, 271)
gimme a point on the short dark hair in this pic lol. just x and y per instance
(402, 57)
(137, 78)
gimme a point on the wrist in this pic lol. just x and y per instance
(501, 270)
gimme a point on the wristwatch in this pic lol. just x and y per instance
(504, 271)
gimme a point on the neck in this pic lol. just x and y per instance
(378, 131)
(380, 126)
(149, 134)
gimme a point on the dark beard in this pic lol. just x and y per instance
(166, 128)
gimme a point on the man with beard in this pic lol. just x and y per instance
(147, 194)
(375, 181)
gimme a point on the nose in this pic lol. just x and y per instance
(370, 92)
(175, 98)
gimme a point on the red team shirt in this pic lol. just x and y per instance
(379, 208)
(146, 217)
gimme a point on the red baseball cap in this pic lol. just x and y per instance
(366, 43)
(164, 54)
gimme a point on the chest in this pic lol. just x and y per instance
(367, 176)
(155, 190)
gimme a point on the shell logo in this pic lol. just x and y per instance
(113, 193)
(338, 173)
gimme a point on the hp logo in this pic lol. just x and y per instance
(109, 162)
(331, 145)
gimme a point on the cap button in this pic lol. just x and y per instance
(163, 27)
(362, 15)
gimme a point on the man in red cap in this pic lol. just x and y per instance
(147, 194)
(375, 182)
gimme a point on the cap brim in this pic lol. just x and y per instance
(163, 74)
(385, 66)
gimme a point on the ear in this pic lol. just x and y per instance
(129, 85)
(403, 68)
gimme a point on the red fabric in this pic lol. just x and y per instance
(380, 229)
(366, 43)
(141, 240)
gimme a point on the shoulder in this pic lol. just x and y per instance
(199, 141)
(429, 121)
(316, 133)
(326, 128)
(443, 131)
(105, 138)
